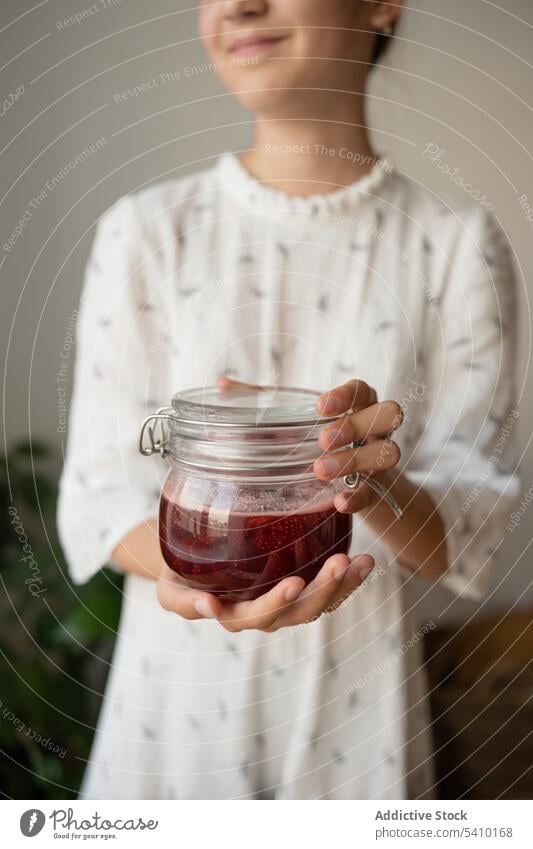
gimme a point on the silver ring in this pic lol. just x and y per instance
(352, 482)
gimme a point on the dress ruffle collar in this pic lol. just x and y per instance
(261, 199)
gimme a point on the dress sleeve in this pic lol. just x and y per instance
(105, 489)
(462, 454)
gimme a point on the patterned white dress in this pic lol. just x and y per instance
(218, 274)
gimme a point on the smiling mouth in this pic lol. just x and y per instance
(254, 45)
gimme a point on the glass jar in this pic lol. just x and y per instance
(241, 508)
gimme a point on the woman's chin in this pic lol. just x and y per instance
(271, 101)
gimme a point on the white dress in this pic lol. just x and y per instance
(218, 274)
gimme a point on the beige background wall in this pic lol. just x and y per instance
(463, 80)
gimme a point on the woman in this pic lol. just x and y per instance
(311, 262)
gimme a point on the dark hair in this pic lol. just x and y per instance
(381, 44)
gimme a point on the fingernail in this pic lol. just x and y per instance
(332, 434)
(292, 592)
(329, 466)
(331, 405)
(203, 608)
(364, 573)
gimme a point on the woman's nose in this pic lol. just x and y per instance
(238, 9)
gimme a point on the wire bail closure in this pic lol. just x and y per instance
(156, 444)
(353, 481)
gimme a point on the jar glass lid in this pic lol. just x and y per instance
(247, 406)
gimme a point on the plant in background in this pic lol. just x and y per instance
(55, 639)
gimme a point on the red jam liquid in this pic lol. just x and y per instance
(246, 555)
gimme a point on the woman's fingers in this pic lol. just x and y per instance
(352, 395)
(339, 577)
(316, 596)
(227, 383)
(288, 603)
(261, 613)
(376, 420)
(381, 454)
(175, 596)
(360, 569)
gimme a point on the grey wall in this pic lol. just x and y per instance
(462, 80)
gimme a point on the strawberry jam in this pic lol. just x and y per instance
(240, 556)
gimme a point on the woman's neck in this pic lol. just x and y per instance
(307, 157)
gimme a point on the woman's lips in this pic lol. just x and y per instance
(253, 45)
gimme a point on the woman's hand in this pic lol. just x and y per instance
(367, 421)
(287, 604)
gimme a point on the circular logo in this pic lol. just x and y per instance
(32, 822)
